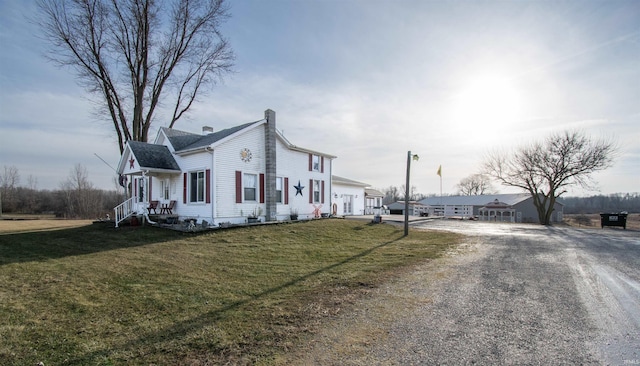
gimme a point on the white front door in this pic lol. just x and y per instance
(140, 189)
(348, 204)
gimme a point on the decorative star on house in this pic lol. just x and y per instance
(299, 189)
(131, 161)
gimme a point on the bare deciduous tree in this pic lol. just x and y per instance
(413, 193)
(475, 184)
(81, 198)
(133, 53)
(9, 180)
(10, 177)
(391, 195)
(545, 169)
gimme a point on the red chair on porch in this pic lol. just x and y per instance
(168, 209)
(153, 205)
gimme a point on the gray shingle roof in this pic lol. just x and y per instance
(180, 139)
(153, 156)
(183, 141)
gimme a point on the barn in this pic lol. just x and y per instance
(513, 207)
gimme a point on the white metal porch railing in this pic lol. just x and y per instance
(124, 210)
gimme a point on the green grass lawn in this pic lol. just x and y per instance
(95, 295)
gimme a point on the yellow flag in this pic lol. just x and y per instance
(440, 171)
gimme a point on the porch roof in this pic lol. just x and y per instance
(154, 158)
(496, 204)
(370, 192)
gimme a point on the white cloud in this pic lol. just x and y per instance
(375, 80)
(45, 135)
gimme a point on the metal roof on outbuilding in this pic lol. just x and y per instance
(477, 200)
(399, 205)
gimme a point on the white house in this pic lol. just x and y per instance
(226, 176)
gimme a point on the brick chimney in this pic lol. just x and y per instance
(270, 169)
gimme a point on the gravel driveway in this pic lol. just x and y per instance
(513, 294)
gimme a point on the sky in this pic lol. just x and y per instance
(366, 81)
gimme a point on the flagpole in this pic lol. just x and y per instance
(440, 174)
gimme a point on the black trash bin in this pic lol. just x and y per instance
(613, 219)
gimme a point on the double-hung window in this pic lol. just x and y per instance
(315, 163)
(279, 189)
(196, 186)
(316, 191)
(250, 186)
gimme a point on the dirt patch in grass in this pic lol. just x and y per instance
(99, 295)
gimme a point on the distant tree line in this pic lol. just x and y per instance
(617, 202)
(76, 198)
(393, 194)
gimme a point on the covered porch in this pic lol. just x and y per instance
(142, 200)
(150, 175)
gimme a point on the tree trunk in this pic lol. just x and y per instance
(541, 207)
(550, 209)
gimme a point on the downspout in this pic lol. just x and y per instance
(213, 186)
(146, 199)
(330, 187)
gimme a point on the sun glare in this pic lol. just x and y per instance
(486, 105)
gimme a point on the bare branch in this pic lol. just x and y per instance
(133, 56)
(475, 184)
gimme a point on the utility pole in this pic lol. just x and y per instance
(406, 193)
